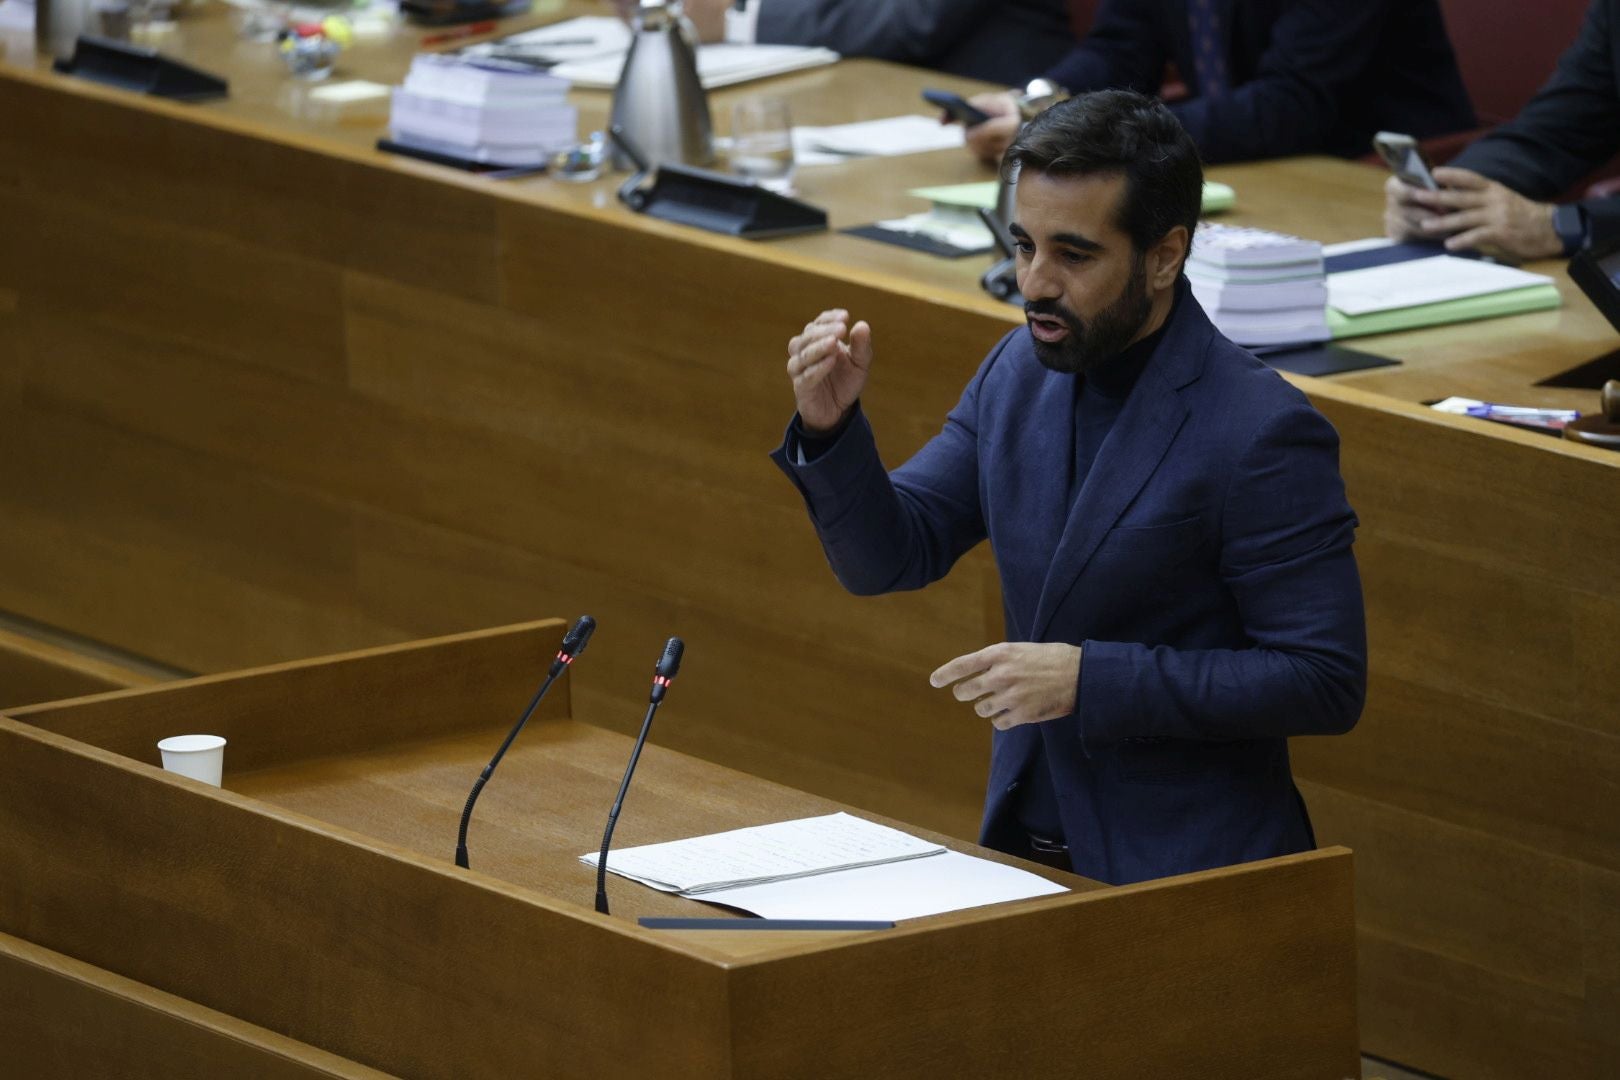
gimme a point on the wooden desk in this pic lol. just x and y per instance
(311, 910)
(266, 393)
(34, 670)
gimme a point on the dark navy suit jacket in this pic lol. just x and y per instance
(1007, 41)
(1569, 128)
(1307, 76)
(1204, 568)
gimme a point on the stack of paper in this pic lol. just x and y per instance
(1260, 287)
(483, 110)
(831, 867)
(1430, 291)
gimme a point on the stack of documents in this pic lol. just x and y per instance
(1260, 287)
(483, 110)
(832, 867)
(1403, 293)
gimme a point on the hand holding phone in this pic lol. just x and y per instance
(1405, 159)
(956, 107)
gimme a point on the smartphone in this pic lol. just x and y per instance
(1405, 160)
(956, 107)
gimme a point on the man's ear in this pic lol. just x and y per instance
(1165, 259)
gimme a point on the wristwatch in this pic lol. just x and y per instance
(1569, 222)
(1038, 96)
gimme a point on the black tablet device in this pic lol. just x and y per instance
(1597, 272)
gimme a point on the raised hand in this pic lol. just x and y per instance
(828, 364)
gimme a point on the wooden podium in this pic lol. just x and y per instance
(308, 919)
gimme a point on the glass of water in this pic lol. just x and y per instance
(762, 142)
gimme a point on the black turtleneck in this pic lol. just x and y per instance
(1099, 397)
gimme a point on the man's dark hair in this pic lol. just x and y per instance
(1119, 131)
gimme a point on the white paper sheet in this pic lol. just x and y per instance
(573, 39)
(882, 138)
(694, 866)
(965, 236)
(1351, 247)
(1422, 281)
(894, 891)
(718, 65)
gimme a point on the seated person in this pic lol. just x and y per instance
(1497, 195)
(1005, 41)
(1267, 78)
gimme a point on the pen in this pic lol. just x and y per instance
(470, 30)
(541, 44)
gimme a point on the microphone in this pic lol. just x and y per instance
(663, 675)
(664, 671)
(573, 643)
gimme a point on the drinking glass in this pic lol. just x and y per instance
(762, 142)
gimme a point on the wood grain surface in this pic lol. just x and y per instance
(33, 670)
(266, 393)
(61, 1019)
(316, 897)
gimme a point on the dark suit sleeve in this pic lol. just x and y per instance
(1318, 51)
(1125, 49)
(901, 30)
(1286, 558)
(1568, 129)
(885, 532)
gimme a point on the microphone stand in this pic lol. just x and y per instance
(663, 675)
(613, 815)
(573, 644)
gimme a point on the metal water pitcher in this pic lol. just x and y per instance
(58, 24)
(659, 102)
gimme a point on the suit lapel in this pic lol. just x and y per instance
(1133, 451)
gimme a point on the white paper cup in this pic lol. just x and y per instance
(201, 757)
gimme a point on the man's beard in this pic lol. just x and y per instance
(1111, 330)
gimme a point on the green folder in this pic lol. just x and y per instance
(1489, 306)
(1217, 197)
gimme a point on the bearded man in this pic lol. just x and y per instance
(1165, 512)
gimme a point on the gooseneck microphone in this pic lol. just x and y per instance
(663, 675)
(573, 643)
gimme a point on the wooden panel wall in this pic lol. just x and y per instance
(343, 924)
(239, 437)
(1265, 945)
(396, 962)
(33, 670)
(1479, 789)
(260, 402)
(61, 1019)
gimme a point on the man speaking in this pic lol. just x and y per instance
(1166, 515)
